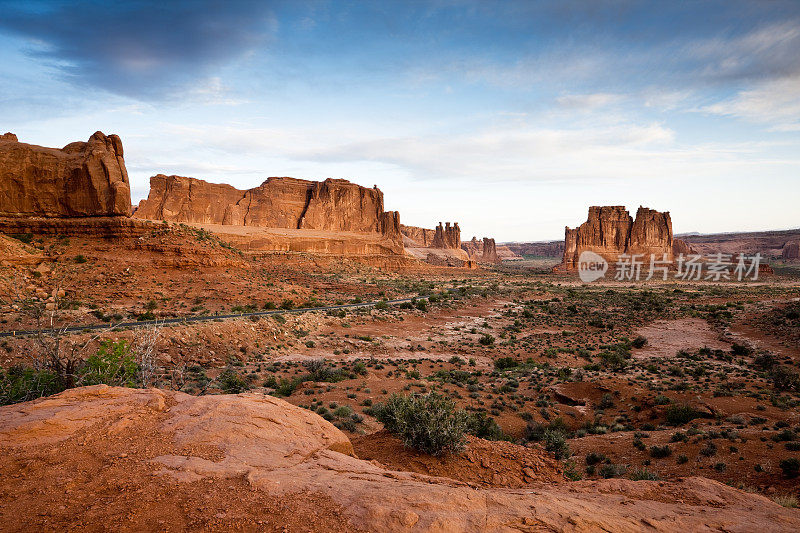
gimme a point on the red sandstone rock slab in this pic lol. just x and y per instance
(83, 179)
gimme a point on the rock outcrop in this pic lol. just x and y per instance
(679, 246)
(610, 231)
(484, 251)
(415, 236)
(152, 459)
(790, 251)
(83, 179)
(447, 236)
(279, 202)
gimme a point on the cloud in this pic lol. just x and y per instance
(588, 101)
(775, 102)
(144, 49)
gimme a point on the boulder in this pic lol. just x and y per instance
(152, 459)
(83, 179)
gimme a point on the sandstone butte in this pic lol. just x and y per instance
(440, 246)
(279, 202)
(791, 250)
(150, 459)
(83, 179)
(484, 251)
(610, 231)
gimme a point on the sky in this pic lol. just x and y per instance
(511, 118)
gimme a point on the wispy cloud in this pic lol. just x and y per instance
(775, 103)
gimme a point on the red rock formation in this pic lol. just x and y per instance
(680, 246)
(83, 179)
(538, 249)
(482, 251)
(195, 453)
(416, 236)
(447, 236)
(791, 250)
(610, 231)
(330, 205)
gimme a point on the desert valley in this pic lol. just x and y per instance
(462, 266)
(225, 359)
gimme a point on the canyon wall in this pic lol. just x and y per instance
(83, 179)
(484, 251)
(279, 202)
(610, 231)
(538, 249)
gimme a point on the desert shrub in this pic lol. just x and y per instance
(659, 452)
(740, 349)
(606, 401)
(556, 443)
(614, 360)
(285, 387)
(21, 384)
(113, 364)
(680, 414)
(643, 474)
(319, 370)
(231, 382)
(429, 423)
(80, 259)
(611, 470)
(287, 304)
(789, 501)
(485, 427)
(486, 340)
(784, 379)
(382, 305)
(593, 458)
(504, 363)
(790, 467)
(639, 342)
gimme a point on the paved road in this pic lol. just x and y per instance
(203, 318)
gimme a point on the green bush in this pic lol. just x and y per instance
(485, 427)
(429, 423)
(680, 414)
(639, 342)
(113, 364)
(504, 363)
(659, 452)
(486, 340)
(643, 474)
(231, 382)
(556, 443)
(22, 384)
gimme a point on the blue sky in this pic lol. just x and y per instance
(511, 118)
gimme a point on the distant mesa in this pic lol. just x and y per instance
(83, 179)
(440, 246)
(610, 231)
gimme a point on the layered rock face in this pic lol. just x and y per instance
(681, 247)
(610, 231)
(83, 179)
(416, 236)
(447, 236)
(330, 205)
(791, 250)
(484, 251)
(539, 249)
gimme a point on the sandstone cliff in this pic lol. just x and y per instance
(484, 251)
(330, 205)
(610, 231)
(83, 179)
(680, 246)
